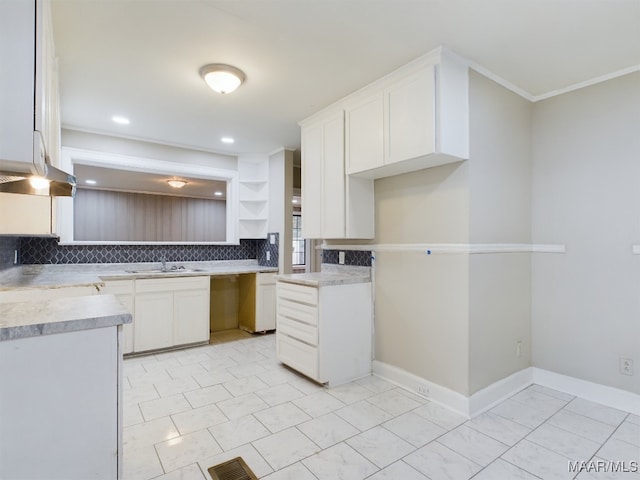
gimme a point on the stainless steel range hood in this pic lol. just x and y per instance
(54, 182)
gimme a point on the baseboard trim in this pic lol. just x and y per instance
(609, 396)
(490, 396)
(436, 393)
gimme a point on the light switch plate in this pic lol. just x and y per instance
(268, 256)
(341, 258)
(272, 239)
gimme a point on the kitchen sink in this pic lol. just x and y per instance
(168, 270)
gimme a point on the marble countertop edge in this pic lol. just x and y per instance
(62, 315)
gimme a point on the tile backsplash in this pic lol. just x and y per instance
(8, 246)
(360, 258)
(34, 250)
(265, 246)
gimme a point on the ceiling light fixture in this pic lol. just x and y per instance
(217, 194)
(120, 120)
(176, 183)
(90, 182)
(222, 78)
(227, 140)
(38, 182)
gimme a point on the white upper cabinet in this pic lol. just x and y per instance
(334, 205)
(414, 118)
(365, 131)
(410, 117)
(28, 87)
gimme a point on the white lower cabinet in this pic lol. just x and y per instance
(154, 320)
(167, 312)
(191, 315)
(325, 332)
(123, 290)
(265, 302)
(257, 302)
(60, 406)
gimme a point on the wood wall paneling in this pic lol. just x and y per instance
(101, 215)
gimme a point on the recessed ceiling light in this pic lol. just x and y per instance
(295, 200)
(90, 182)
(176, 183)
(120, 120)
(227, 140)
(217, 194)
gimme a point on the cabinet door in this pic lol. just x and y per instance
(154, 320)
(410, 107)
(333, 178)
(266, 307)
(190, 316)
(364, 142)
(123, 291)
(312, 180)
(25, 214)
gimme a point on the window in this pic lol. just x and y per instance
(298, 241)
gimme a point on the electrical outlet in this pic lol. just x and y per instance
(423, 390)
(626, 366)
(272, 239)
(268, 256)
(341, 258)
(518, 348)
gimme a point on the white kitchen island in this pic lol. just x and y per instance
(60, 388)
(325, 323)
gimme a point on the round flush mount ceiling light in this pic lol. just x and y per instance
(222, 78)
(227, 140)
(176, 183)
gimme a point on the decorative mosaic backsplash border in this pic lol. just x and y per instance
(361, 258)
(8, 245)
(40, 251)
(263, 247)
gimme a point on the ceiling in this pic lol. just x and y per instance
(140, 58)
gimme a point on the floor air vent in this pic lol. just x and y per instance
(235, 469)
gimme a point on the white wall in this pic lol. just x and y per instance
(586, 195)
(454, 319)
(499, 213)
(280, 206)
(136, 148)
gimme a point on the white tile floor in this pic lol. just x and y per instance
(188, 410)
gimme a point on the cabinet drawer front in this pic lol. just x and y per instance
(297, 311)
(171, 284)
(117, 287)
(297, 355)
(266, 278)
(297, 293)
(300, 331)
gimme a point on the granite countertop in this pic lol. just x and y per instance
(95, 274)
(329, 276)
(35, 318)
